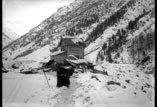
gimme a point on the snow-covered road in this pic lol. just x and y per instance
(30, 90)
(24, 90)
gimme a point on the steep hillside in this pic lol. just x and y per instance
(121, 31)
(127, 35)
(78, 19)
(6, 40)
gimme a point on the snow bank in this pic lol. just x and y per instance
(33, 60)
(92, 56)
(124, 88)
(38, 55)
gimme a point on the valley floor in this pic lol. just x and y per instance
(114, 89)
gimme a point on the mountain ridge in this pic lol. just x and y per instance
(88, 21)
(6, 40)
(10, 33)
(38, 30)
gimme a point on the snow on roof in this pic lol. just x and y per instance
(70, 40)
(57, 53)
(69, 37)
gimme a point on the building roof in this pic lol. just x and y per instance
(57, 53)
(69, 40)
(69, 37)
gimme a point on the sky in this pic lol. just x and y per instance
(23, 15)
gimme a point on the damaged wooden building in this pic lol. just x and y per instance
(68, 46)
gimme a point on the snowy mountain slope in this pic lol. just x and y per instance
(127, 36)
(6, 40)
(10, 33)
(77, 19)
(121, 30)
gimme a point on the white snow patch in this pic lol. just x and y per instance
(38, 55)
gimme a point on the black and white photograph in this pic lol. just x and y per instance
(78, 53)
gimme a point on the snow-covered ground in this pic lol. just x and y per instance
(32, 60)
(109, 85)
(121, 86)
(20, 90)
